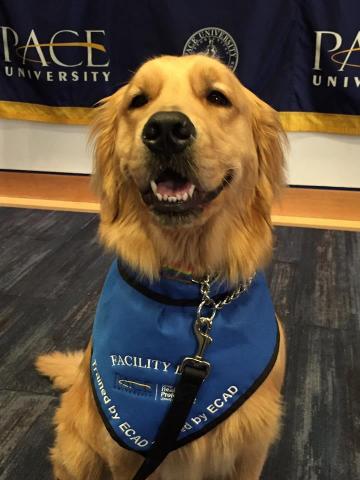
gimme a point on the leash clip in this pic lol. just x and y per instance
(206, 313)
(202, 327)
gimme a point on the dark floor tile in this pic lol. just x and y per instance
(25, 436)
(32, 327)
(288, 244)
(72, 266)
(328, 281)
(321, 285)
(320, 439)
(19, 255)
(44, 224)
(283, 286)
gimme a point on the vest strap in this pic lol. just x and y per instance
(185, 393)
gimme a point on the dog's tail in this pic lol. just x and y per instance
(62, 368)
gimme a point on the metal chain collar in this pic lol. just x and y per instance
(204, 321)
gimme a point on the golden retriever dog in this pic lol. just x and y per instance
(188, 162)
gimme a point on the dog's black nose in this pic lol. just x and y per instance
(168, 132)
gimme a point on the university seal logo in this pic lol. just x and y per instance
(216, 43)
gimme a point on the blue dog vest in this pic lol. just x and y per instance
(143, 331)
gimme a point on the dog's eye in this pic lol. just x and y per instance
(138, 101)
(218, 98)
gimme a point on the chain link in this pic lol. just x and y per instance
(205, 287)
(203, 322)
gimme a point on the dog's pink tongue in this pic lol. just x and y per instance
(172, 188)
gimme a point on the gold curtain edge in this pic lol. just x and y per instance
(321, 122)
(43, 113)
(291, 121)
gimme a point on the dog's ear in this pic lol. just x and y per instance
(106, 175)
(270, 141)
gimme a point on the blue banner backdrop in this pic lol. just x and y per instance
(57, 59)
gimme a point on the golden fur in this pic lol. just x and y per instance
(232, 237)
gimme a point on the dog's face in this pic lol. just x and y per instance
(183, 143)
(173, 136)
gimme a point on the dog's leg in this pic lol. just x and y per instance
(73, 459)
(79, 432)
(251, 464)
(60, 473)
(129, 465)
(254, 453)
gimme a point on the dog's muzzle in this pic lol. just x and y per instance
(174, 192)
(168, 133)
(172, 195)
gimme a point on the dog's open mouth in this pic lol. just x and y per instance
(173, 193)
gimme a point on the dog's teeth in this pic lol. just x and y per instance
(179, 197)
(153, 186)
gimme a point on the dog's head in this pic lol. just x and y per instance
(187, 164)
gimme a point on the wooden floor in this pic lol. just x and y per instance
(51, 272)
(335, 209)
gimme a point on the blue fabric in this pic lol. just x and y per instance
(138, 344)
